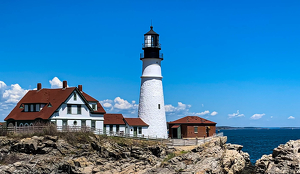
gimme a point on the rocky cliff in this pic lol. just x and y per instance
(284, 159)
(50, 154)
(212, 157)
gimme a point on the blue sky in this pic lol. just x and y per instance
(237, 58)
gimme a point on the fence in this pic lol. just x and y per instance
(173, 142)
(191, 142)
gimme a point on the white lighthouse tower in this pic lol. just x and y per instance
(151, 105)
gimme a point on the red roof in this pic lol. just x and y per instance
(175, 126)
(45, 96)
(192, 119)
(135, 122)
(88, 97)
(114, 119)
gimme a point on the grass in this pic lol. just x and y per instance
(170, 156)
(80, 137)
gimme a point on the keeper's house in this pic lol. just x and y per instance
(191, 127)
(67, 106)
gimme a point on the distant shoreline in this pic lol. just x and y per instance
(238, 128)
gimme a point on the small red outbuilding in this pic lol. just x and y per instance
(191, 127)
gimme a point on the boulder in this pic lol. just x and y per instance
(284, 159)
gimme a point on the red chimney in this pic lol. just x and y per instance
(65, 84)
(80, 88)
(39, 86)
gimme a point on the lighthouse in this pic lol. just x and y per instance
(151, 105)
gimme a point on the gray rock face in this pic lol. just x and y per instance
(284, 159)
(49, 154)
(212, 157)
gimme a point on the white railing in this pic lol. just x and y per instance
(192, 142)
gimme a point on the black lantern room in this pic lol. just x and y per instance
(151, 45)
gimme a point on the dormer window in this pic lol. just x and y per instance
(49, 105)
(21, 106)
(75, 96)
(94, 107)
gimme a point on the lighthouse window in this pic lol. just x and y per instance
(158, 106)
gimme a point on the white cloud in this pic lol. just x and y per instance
(291, 117)
(271, 117)
(9, 96)
(56, 83)
(214, 113)
(202, 113)
(14, 94)
(179, 108)
(123, 104)
(237, 114)
(107, 105)
(257, 116)
(119, 105)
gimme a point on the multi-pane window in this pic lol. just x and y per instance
(78, 109)
(83, 123)
(75, 96)
(196, 129)
(69, 109)
(64, 123)
(94, 106)
(93, 124)
(140, 130)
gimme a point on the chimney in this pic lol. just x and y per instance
(39, 86)
(80, 88)
(65, 84)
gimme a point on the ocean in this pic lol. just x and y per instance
(258, 142)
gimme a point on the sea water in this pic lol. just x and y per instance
(258, 142)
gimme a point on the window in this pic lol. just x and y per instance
(111, 128)
(158, 106)
(26, 108)
(37, 107)
(104, 129)
(34, 107)
(117, 128)
(69, 109)
(78, 109)
(49, 105)
(93, 124)
(94, 106)
(75, 96)
(83, 123)
(195, 129)
(140, 130)
(64, 123)
(21, 124)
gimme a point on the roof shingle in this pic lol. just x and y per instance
(135, 122)
(192, 119)
(114, 119)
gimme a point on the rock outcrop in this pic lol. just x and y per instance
(49, 154)
(284, 159)
(212, 157)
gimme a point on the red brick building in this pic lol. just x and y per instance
(191, 127)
